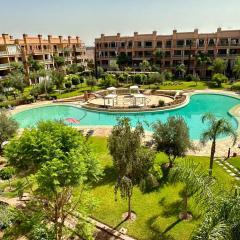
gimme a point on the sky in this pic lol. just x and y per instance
(89, 18)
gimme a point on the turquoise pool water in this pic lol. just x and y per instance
(192, 113)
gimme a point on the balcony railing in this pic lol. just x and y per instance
(4, 66)
(3, 53)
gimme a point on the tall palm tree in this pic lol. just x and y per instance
(203, 60)
(181, 69)
(195, 181)
(236, 68)
(217, 127)
(222, 220)
(218, 66)
(159, 55)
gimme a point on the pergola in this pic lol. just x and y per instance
(134, 89)
(139, 100)
(112, 89)
(110, 100)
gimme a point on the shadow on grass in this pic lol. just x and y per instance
(109, 177)
(157, 234)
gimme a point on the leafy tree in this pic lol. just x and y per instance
(218, 66)
(7, 173)
(222, 219)
(68, 84)
(195, 181)
(35, 146)
(172, 138)
(58, 61)
(131, 161)
(64, 161)
(123, 60)
(216, 128)
(36, 68)
(57, 78)
(236, 68)
(156, 78)
(108, 81)
(8, 127)
(100, 71)
(91, 81)
(145, 66)
(73, 69)
(219, 78)
(114, 66)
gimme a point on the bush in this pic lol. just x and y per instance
(74, 78)
(219, 78)
(109, 80)
(138, 78)
(236, 86)
(68, 84)
(189, 77)
(161, 103)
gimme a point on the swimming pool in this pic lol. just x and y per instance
(192, 113)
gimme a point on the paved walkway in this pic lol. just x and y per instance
(111, 234)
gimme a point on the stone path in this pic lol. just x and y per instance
(110, 233)
(229, 168)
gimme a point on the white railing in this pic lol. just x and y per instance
(4, 65)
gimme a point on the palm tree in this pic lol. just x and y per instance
(218, 66)
(181, 69)
(217, 127)
(203, 60)
(195, 181)
(236, 68)
(159, 55)
(222, 220)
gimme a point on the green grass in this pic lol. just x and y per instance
(157, 211)
(184, 85)
(79, 91)
(235, 161)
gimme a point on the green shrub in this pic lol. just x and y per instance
(161, 103)
(189, 77)
(219, 78)
(236, 86)
(74, 78)
(68, 84)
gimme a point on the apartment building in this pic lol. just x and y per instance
(177, 48)
(41, 49)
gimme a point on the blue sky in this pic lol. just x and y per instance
(90, 18)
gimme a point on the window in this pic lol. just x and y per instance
(180, 43)
(148, 44)
(169, 43)
(159, 44)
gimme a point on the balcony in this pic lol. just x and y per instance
(3, 53)
(80, 49)
(4, 66)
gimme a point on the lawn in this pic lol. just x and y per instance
(157, 211)
(184, 85)
(235, 161)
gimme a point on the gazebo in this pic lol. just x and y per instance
(139, 100)
(134, 89)
(110, 100)
(112, 89)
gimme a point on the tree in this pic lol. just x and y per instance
(218, 66)
(35, 68)
(156, 78)
(73, 69)
(91, 81)
(195, 181)
(35, 146)
(236, 68)
(172, 138)
(57, 78)
(114, 66)
(131, 160)
(64, 161)
(159, 55)
(145, 66)
(58, 61)
(181, 69)
(219, 78)
(222, 219)
(75, 79)
(8, 127)
(216, 128)
(203, 60)
(123, 60)
(7, 173)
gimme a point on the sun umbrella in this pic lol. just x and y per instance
(72, 120)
